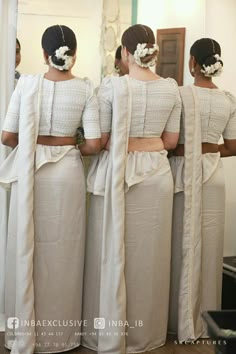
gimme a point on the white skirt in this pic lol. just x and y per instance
(148, 214)
(212, 234)
(59, 221)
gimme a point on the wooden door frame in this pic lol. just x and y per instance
(181, 32)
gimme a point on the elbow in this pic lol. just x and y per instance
(95, 146)
(5, 139)
(170, 146)
(170, 140)
(9, 139)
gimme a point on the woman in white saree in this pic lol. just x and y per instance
(127, 266)
(199, 202)
(45, 247)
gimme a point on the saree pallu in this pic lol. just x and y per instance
(147, 245)
(197, 230)
(59, 236)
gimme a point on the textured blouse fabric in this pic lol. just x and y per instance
(156, 107)
(218, 115)
(65, 106)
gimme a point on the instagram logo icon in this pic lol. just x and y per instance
(99, 323)
(13, 322)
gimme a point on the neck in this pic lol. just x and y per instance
(202, 81)
(57, 75)
(140, 73)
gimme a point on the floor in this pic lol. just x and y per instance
(204, 347)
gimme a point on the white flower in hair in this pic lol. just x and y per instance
(141, 51)
(214, 69)
(60, 54)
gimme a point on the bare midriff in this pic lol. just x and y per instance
(145, 144)
(56, 140)
(206, 148)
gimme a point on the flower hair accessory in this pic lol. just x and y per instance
(141, 51)
(60, 54)
(214, 69)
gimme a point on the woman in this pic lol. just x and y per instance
(127, 265)
(45, 250)
(120, 66)
(18, 58)
(199, 202)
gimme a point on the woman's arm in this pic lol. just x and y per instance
(228, 148)
(9, 139)
(90, 147)
(170, 140)
(105, 141)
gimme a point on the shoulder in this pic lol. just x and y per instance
(107, 82)
(83, 85)
(171, 85)
(230, 97)
(171, 81)
(106, 85)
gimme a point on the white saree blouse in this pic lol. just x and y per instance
(64, 106)
(217, 115)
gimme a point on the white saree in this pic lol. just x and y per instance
(197, 229)
(127, 264)
(45, 246)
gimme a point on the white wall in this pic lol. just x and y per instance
(204, 18)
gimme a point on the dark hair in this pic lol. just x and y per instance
(139, 34)
(118, 53)
(18, 42)
(58, 36)
(204, 51)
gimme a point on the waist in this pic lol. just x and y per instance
(56, 140)
(206, 148)
(145, 144)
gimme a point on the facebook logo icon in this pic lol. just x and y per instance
(13, 322)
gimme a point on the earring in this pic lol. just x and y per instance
(192, 70)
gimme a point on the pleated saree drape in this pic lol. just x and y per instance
(28, 132)
(8, 15)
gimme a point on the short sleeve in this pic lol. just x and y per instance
(230, 129)
(105, 98)
(90, 116)
(11, 122)
(173, 122)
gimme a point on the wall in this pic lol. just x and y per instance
(204, 18)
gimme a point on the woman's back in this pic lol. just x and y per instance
(218, 115)
(155, 106)
(65, 105)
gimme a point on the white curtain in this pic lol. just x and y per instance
(8, 16)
